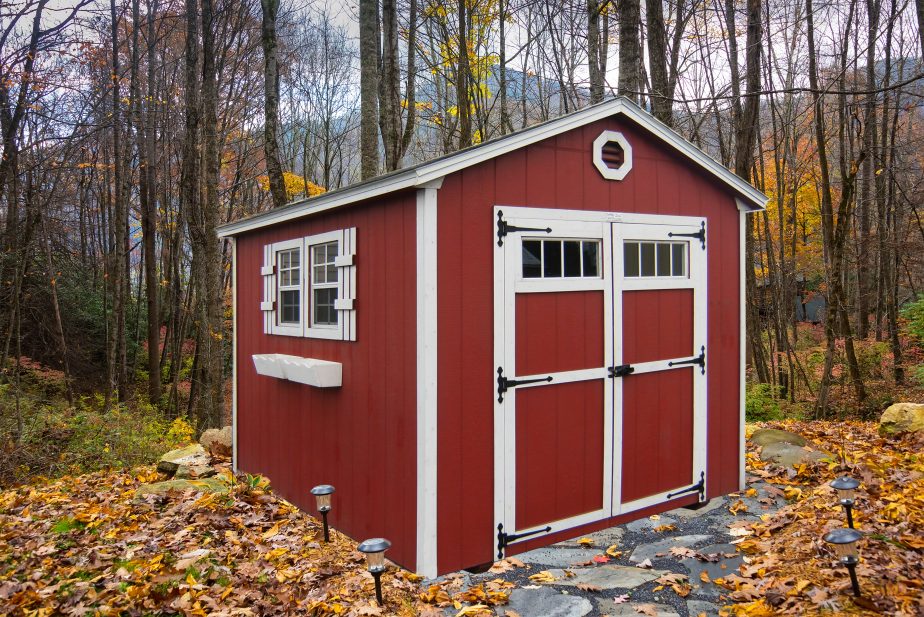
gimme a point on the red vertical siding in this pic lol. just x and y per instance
(559, 331)
(360, 437)
(559, 453)
(657, 429)
(559, 173)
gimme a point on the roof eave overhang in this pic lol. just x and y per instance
(431, 174)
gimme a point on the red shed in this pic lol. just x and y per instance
(530, 339)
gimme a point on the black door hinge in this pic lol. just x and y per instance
(700, 235)
(699, 487)
(504, 384)
(700, 359)
(503, 539)
(620, 371)
(504, 228)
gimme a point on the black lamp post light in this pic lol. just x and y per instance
(846, 494)
(322, 494)
(374, 549)
(844, 542)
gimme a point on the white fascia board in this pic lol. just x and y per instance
(321, 203)
(423, 175)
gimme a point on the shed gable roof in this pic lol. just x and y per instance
(431, 172)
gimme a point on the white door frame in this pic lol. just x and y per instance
(580, 224)
(505, 351)
(696, 280)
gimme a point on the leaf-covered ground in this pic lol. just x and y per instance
(791, 571)
(85, 545)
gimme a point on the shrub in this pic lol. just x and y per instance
(870, 358)
(913, 313)
(918, 374)
(760, 403)
(58, 439)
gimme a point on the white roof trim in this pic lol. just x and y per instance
(424, 173)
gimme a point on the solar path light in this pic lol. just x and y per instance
(846, 488)
(374, 549)
(322, 494)
(845, 547)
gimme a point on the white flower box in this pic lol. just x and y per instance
(313, 372)
(309, 371)
(267, 364)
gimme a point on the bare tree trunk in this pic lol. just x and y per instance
(661, 94)
(506, 126)
(189, 177)
(630, 54)
(593, 50)
(833, 236)
(369, 87)
(118, 254)
(271, 107)
(920, 10)
(389, 88)
(411, 90)
(209, 404)
(149, 216)
(867, 195)
(463, 104)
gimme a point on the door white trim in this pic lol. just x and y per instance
(507, 268)
(589, 224)
(697, 281)
(427, 382)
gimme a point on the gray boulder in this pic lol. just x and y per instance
(192, 472)
(189, 456)
(901, 418)
(217, 441)
(790, 455)
(207, 485)
(767, 436)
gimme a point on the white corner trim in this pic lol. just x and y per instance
(606, 171)
(742, 351)
(426, 381)
(234, 372)
(421, 176)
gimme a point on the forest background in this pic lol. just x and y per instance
(131, 129)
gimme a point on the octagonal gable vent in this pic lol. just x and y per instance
(612, 155)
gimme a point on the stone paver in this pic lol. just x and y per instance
(686, 513)
(546, 602)
(559, 557)
(790, 455)
(717, 569)
(650, 550)
(644, 524)
(607, 577)
(602, 539)
(767, 436)
(608, 607)
(698, 608)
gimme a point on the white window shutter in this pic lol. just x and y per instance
(268, 273)
(346, 303)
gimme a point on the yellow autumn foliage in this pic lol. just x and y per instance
(296, 185)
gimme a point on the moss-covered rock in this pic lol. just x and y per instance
(767, 436)
(190, 455)
(205, 485)
(790, 455)
(901, 418)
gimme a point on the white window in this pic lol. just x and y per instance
(655, 259)
(325, 285)
(309, 286)
(283, 288)
(554, 259)
(290, 286)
